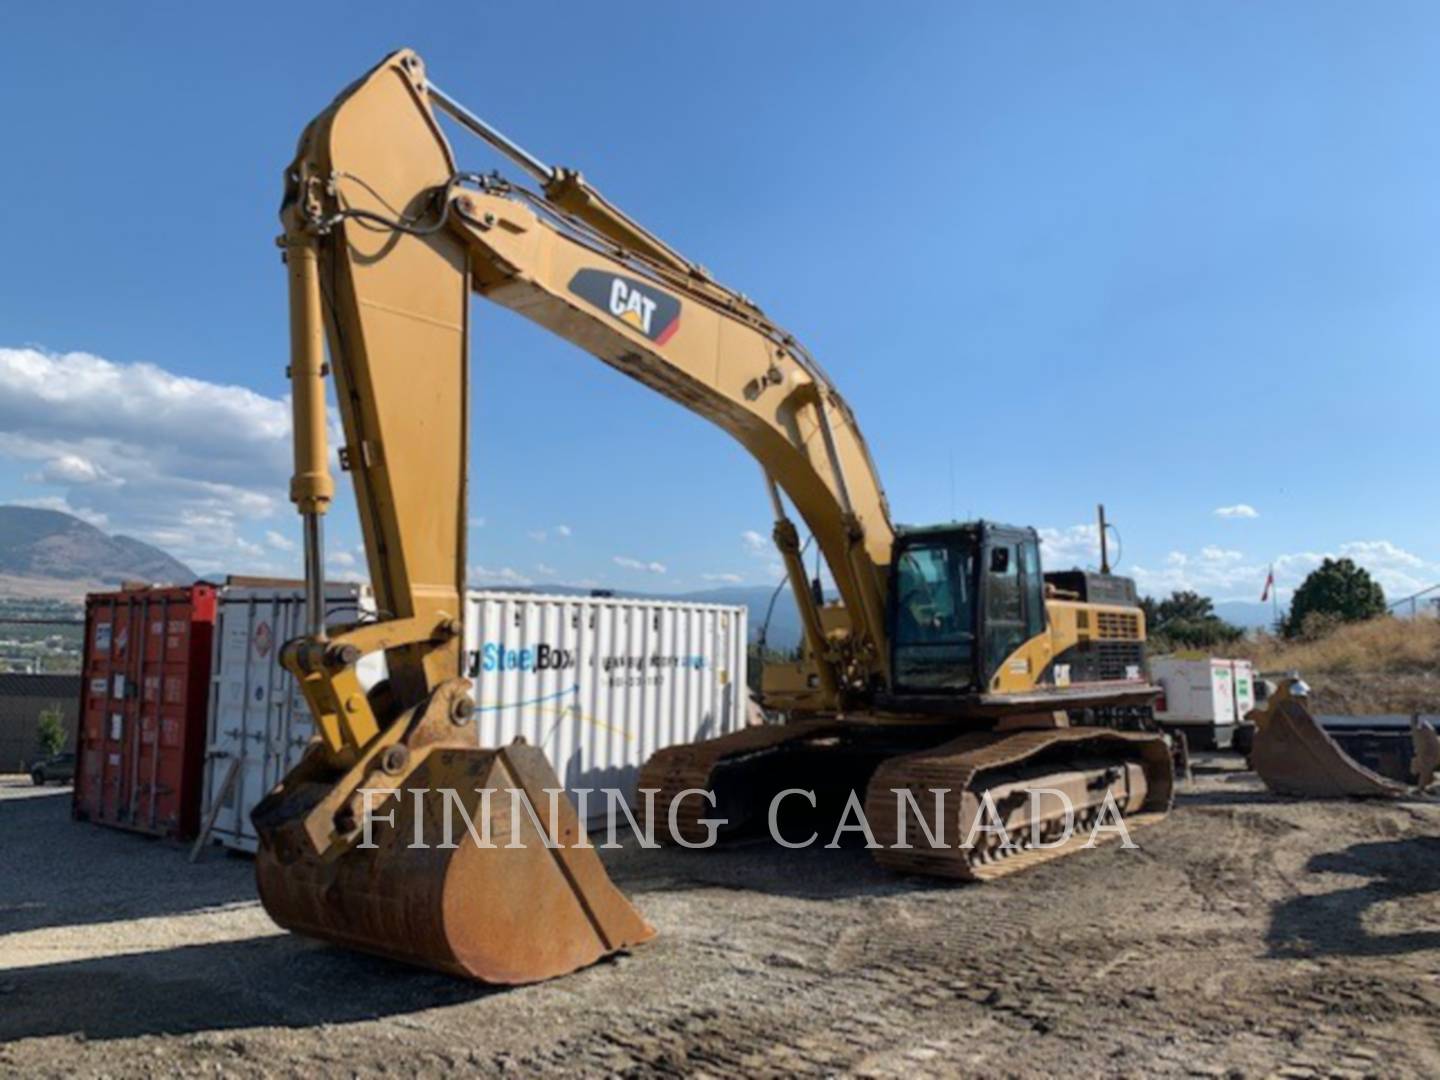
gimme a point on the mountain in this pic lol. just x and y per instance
(48, 544)
(1246, 613)
(784, 631)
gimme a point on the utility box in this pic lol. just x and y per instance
(601, 683)
(141, 739)
(1204, 699)
(259, 723)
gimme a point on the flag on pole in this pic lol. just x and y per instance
(1269, 584)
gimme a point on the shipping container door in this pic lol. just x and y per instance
(169, 666)
(237, 717)
(290, 723)
(105, 726)
(125, 727)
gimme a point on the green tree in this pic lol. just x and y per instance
(1187, 605)
(50, 730)
(1186, 620)
(1337, 591)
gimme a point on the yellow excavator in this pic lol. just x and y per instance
(948, 664)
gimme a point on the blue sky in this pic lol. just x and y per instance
(1177, 258)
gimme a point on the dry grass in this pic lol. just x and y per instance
(1382, 666)
(1397, 646)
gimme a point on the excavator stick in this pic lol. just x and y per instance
(397, 834)
(473, 861)
(1295, 756)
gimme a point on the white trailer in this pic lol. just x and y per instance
(1205, 699)
(259, 723)
(600, 683)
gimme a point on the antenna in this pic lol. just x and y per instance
(1104, 547)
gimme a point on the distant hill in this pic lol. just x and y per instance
(48, 544)
(1247, 613)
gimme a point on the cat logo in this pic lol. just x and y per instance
(638, 304)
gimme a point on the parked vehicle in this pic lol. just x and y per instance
(1206, 700)
(55, 769)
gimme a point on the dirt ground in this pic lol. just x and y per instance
(1248, 936)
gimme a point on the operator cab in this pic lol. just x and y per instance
(962, 598)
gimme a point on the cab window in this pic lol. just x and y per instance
(1032, 584)
(1004, 604)
(934, 616)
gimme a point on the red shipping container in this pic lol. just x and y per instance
(141, 742)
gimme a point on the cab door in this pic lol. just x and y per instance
(1014, 603)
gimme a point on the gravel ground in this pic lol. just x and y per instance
(1248, 936)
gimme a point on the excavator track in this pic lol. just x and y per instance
(1135, 767)
(691, 766)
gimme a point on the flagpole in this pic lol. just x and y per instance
(1274, 600)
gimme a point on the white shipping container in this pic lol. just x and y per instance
(258, 716)
(599, 683)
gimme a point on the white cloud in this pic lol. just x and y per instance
(504, 575)
(174, 460)
(724, 579)
(1212, 554)
(560, 532)
(477, 522)
(1228, 575)
(545, 570)
(1239, 510)
(756, 543)
(279, 541)
(72, 470)
(639, 564)
(60, 503)
(340, 558)
(1060, 549)
(1382, 553)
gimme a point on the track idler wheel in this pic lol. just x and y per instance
(463, 901)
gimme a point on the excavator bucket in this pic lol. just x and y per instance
(1295, 756)
(455, 873)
